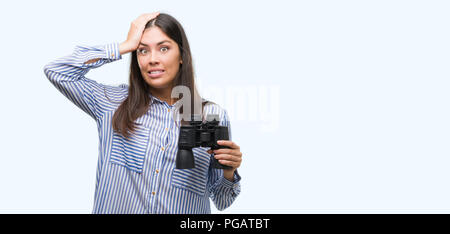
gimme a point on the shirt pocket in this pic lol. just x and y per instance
(131, 152)
(194, 179)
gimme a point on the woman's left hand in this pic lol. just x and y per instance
(229, 157)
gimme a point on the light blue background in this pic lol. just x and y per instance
(363, 100)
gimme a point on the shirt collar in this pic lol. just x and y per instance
(155, 99)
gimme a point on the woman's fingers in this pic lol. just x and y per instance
(225, 151)
(144, 18)
(228, 157)
(228, 151)
(229, 163)
(228, 143)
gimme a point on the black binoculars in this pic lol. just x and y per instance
(200, 134)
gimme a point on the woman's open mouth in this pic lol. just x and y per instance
(156, 73)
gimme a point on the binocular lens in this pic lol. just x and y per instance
(185, 159)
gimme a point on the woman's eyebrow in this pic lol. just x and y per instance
(159, 43)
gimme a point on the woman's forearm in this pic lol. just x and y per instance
(124, 48)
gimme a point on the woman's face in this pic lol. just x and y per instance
(158, 52)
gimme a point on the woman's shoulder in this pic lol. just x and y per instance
(116, 92)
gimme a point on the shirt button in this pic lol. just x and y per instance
(167, 129)
(157, 171)
(153, 193)
(168, 110)
(162, 148)
(112, 54)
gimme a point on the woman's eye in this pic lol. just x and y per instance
(142, 51)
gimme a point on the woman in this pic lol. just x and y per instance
(138, 133)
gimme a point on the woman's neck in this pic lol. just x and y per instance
(163, 95)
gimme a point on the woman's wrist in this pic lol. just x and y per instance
(229, 175)
(124, 48)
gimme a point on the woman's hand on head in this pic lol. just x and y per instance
(135, 32)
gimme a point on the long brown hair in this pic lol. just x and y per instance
(138, 101)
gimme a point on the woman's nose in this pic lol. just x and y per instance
(154, 58)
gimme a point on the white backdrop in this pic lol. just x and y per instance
(338, 106)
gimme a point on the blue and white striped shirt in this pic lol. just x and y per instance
(138, 175)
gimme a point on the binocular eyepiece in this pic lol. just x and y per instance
(200, 134)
